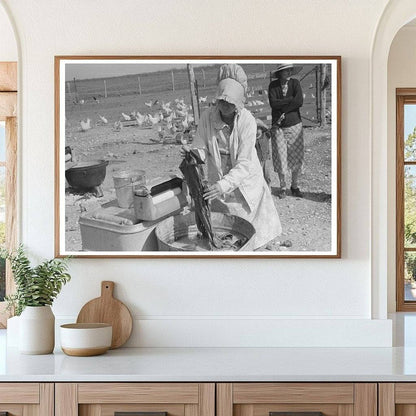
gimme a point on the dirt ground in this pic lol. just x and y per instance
(306, 222)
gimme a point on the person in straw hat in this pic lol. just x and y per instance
(227, 134)
(286, 98)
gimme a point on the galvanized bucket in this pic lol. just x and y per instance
(124, 183)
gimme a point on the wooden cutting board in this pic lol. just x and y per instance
(107, 309)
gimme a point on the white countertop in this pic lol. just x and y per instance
(222, 364)
(213, 364)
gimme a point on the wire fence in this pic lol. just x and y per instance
(315, 81)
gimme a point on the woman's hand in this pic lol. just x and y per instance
(214, 191)
(184, 149)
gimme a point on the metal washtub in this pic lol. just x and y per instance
(174, 228)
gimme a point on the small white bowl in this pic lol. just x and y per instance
(83, 340)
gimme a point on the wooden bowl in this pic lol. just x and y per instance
(84, 340)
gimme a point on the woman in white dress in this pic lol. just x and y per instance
(226, 135)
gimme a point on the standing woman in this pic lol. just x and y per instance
(286, 98)
(227, 135)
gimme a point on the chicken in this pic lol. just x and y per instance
(141, 118)
(149, 104)
(117, 126)
(180, 104)
(166, 108)
(181, 113)
(103, 119)
(85, 125)
(126, 117)
(185, 123)
(170, 117)
(154, 119)
(203, 99)
(172, 128)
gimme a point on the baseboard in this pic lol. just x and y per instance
(248, 332)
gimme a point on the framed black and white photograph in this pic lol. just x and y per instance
(198, 156)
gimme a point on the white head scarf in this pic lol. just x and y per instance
(232, 85)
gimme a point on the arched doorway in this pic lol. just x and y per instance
(396, 14)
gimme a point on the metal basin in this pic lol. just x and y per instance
(87, 175)
(180, 233)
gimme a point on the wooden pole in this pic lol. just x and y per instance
(194, 93)
(140, 87)
(324, 76)
(105, 88)
(68, 87)
(203, 76)
(173, 82)
(76, 92)
(318, 93)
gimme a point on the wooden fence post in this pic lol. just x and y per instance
(194, 93)
(76, 92)
(324, 88)
(318, 93)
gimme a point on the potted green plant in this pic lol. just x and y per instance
(36, 289)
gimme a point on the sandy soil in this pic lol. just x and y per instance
(306, 222)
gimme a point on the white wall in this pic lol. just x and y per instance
(179, 302)
(401, 74)
(8, 47)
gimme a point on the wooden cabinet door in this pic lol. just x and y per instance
(27, 399)
(297, 399)
(397, 399)
(153, 399)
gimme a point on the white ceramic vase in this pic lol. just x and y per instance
(37, 330)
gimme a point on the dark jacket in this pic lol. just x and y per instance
(289, 105)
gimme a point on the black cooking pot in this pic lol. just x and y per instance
(87, 175)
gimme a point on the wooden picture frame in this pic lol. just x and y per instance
(112, 114)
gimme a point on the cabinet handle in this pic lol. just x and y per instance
(138, 414)
(296, 414)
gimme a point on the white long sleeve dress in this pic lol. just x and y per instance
(232, 162)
